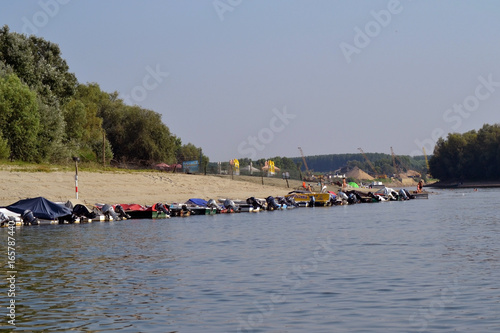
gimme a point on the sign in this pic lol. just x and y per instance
(190, 166)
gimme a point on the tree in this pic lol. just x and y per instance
(19, 118)
(188, 152)
(39, 64)
(4, 147)
(474, 156)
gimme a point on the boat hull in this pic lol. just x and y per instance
(320, 199)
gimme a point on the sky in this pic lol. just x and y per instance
(260, 78)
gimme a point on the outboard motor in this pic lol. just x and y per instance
(271, 203)
(333, 198)
(29, 218)
(229, 204)
(254, 202)
(312, 201)
(402, 194)
(212, 204)
(108, 211)
(80, 210)
(5, 219)
(121, 212)
(162, 208)
(290, 201)
(282, 201)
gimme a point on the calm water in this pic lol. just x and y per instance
(417, 266)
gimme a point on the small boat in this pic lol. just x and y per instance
(200, 207)
(311, 198)
(180, 210)
(135, 211)
(39, 210)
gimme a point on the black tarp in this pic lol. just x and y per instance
(41, 208)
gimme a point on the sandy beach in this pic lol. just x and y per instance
(144, 188)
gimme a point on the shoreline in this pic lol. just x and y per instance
(145, 188)
(464, 184)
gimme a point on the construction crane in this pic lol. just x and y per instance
(426, 161)
(303, 159)
(309, 176)
(371, 165)
(396, 170)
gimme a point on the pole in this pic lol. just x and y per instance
(76, 177)
(103, 148)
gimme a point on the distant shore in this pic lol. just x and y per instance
(464, 184)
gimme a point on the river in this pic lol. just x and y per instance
(415, 266)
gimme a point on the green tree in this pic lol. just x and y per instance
(188, 152)
(19, 118)
(39, 64)
(4, 147)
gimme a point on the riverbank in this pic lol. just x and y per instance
(144, 188)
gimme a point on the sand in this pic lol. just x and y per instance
(144, 188)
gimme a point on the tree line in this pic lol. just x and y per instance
(474, 155)
(46, 115)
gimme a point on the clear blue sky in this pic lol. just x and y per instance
(258, 78)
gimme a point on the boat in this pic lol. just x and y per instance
(311, 198)
(40, 210)
(200, 207)
(8, 217)
(181, 210)
(136, 211)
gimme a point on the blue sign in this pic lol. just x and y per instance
(190, 166)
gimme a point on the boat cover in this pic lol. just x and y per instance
(197, 202)
(41, 208)
(129, 207)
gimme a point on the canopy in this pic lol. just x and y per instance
(353, 184)
(162, 166)
(41, 208)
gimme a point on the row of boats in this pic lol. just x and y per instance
(40, 210)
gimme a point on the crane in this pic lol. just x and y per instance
(426, 161)
(308, 177)
(371, 165)
(396, 170)
(303, 159)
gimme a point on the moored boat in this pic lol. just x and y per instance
(311, 198)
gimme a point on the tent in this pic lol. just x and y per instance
(250, 169)
(41, 208)
(353, 184)
(162, 166)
